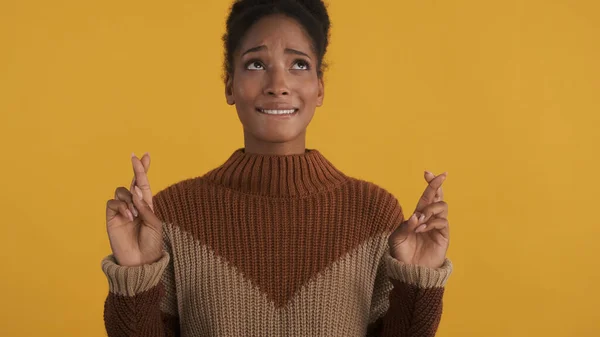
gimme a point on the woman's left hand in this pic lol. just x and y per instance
(423, 238)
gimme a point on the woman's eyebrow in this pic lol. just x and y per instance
(263, 47)
(297, 52)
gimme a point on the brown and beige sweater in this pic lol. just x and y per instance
(269, 245)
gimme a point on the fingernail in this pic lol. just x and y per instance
(135, 211)
(422, 217)
(129, 215)
(420, 228)
(428, 172)
(132, 154)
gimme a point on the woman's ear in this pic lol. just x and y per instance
(229, 90)
(321, 93)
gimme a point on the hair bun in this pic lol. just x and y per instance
(318, 10)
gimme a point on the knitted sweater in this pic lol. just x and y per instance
(275, 245)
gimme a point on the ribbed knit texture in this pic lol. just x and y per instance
(269, 245)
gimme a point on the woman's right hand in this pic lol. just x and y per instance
(134, 231)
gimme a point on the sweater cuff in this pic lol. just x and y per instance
(130, 281)
(420, 276)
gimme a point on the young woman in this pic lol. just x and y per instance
(276, 241)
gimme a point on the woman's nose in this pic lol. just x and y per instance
(277, 85)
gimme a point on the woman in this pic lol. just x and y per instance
(276, 241)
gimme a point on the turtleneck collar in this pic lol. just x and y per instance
(293, 175)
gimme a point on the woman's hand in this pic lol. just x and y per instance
(135, 233)
(424, 237)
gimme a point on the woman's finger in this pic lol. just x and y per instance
(141, 179)
(123, 194)
(437, 209)
(146, 213)
(132, 185)
(115, 207)
(440, 224)
(146, 163)
(439, 194)
(430, 191)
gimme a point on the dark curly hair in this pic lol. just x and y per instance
(311, 14)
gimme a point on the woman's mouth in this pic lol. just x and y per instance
(277, 112)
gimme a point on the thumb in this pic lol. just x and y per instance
(404, 230)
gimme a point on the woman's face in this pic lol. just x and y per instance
(274, 85)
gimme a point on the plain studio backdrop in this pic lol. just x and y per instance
(501, 94)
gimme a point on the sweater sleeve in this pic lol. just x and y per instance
(141, 300)
(407, 299)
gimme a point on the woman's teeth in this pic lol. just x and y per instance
(278, 112)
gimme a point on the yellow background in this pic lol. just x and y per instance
(501, 94)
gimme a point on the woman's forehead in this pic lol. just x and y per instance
(276, 32)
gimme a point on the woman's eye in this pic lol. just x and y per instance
(301, 65)
(254, 65)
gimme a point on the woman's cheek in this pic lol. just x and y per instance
(310, 91)
(245, 90)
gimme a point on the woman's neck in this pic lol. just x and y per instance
(257, 146)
